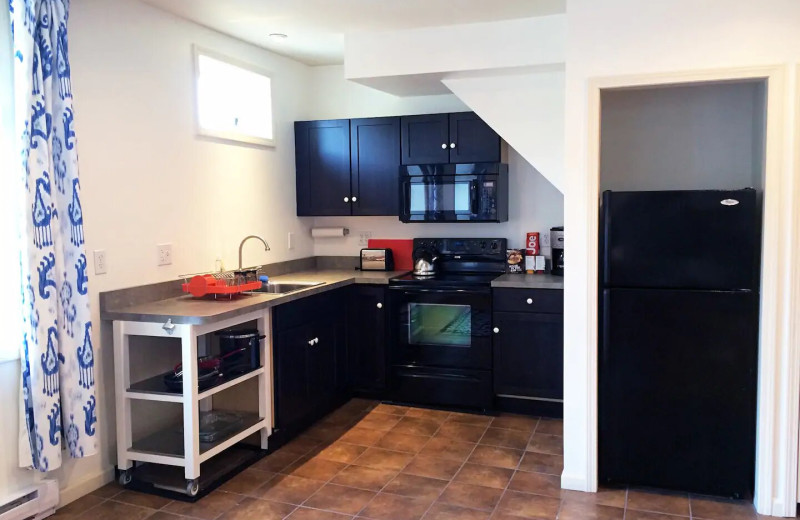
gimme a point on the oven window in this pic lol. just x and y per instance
(439, 324)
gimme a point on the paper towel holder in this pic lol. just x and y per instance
(329, 232)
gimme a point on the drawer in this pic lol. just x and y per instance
(528, 300)
(309, 308)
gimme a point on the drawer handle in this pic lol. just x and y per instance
(496, 330)
(529, 301)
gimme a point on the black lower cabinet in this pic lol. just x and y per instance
(528, 351)
(310, 361)
(367, 337)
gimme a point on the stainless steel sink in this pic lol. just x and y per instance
(285, 287)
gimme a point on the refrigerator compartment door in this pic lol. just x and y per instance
(680, 239)
(677, 390)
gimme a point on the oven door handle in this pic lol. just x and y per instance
(439, 291)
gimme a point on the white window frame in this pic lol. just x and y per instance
(235, 137)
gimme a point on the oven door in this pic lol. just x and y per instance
(442, 327)
(449, 198)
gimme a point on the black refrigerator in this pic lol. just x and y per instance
(678, 357)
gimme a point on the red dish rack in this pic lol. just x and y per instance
(224, 283)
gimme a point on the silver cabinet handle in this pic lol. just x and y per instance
(380, 306)
(444, 146)
(529, 300)
(452, 145)
(496, 330)
(355, 199)
(316, 341)
(347, 199)
(311, 342)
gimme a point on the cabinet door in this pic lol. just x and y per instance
(529, 355)
(375, 163)
(472, 140)
(322, 363)
(292, 402)
(322, 157)
(367, 338)
(424, 139)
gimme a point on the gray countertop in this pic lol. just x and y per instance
(186, 309)
(529, 281)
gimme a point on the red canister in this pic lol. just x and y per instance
(532, 242)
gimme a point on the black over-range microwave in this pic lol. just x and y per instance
(476, 192)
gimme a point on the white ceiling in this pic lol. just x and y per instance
(316, 28)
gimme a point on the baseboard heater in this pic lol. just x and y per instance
(34, 503)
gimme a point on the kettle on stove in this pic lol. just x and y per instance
(425, 261)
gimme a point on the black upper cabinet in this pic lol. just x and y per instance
(367, 329)
(322, 153)
(529, 355)
(461, 137)
(375, 165)
(425, 139)
(474, 140)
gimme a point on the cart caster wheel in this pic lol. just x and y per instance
(192, 487)
(125, 477)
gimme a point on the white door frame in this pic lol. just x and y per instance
(779, 354)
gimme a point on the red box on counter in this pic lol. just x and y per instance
(532, 242)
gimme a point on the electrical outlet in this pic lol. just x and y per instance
(363, 238)
(290, 240)
(100, 266)
(164, 254)
(544, 239)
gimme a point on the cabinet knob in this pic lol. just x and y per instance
(452, 145)
(311, 342)
(380, 306)
(529, 300)
(496, 330)
(316, 341)
(355, 199)
(444, 146)
(347, 199)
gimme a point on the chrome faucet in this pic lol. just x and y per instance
(266, 247)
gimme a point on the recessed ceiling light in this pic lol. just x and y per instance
(278, 36)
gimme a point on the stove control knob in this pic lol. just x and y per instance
(495, 245)
(496, 330)
(483, 245)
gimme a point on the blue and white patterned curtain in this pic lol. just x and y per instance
(57, 356)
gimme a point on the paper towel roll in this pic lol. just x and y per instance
(329, 232)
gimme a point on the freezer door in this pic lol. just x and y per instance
(680, 239)
(677, 394)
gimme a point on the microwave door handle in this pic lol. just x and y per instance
(473, 197)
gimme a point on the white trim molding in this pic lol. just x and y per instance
(776, 478)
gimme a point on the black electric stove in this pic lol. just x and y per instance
(442, 349)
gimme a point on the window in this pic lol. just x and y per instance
(10, 299)
(234, 100)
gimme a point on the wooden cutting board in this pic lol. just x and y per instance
(401, 251)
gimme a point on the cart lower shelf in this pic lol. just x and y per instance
(166, 446)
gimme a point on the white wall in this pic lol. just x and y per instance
(535, 205)
(622, 37)
(697, 137)
(527, 110)
(147, 179)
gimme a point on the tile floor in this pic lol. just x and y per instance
(384, 462)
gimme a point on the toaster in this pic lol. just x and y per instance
(377, 259)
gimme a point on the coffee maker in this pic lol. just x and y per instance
(557, 245)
